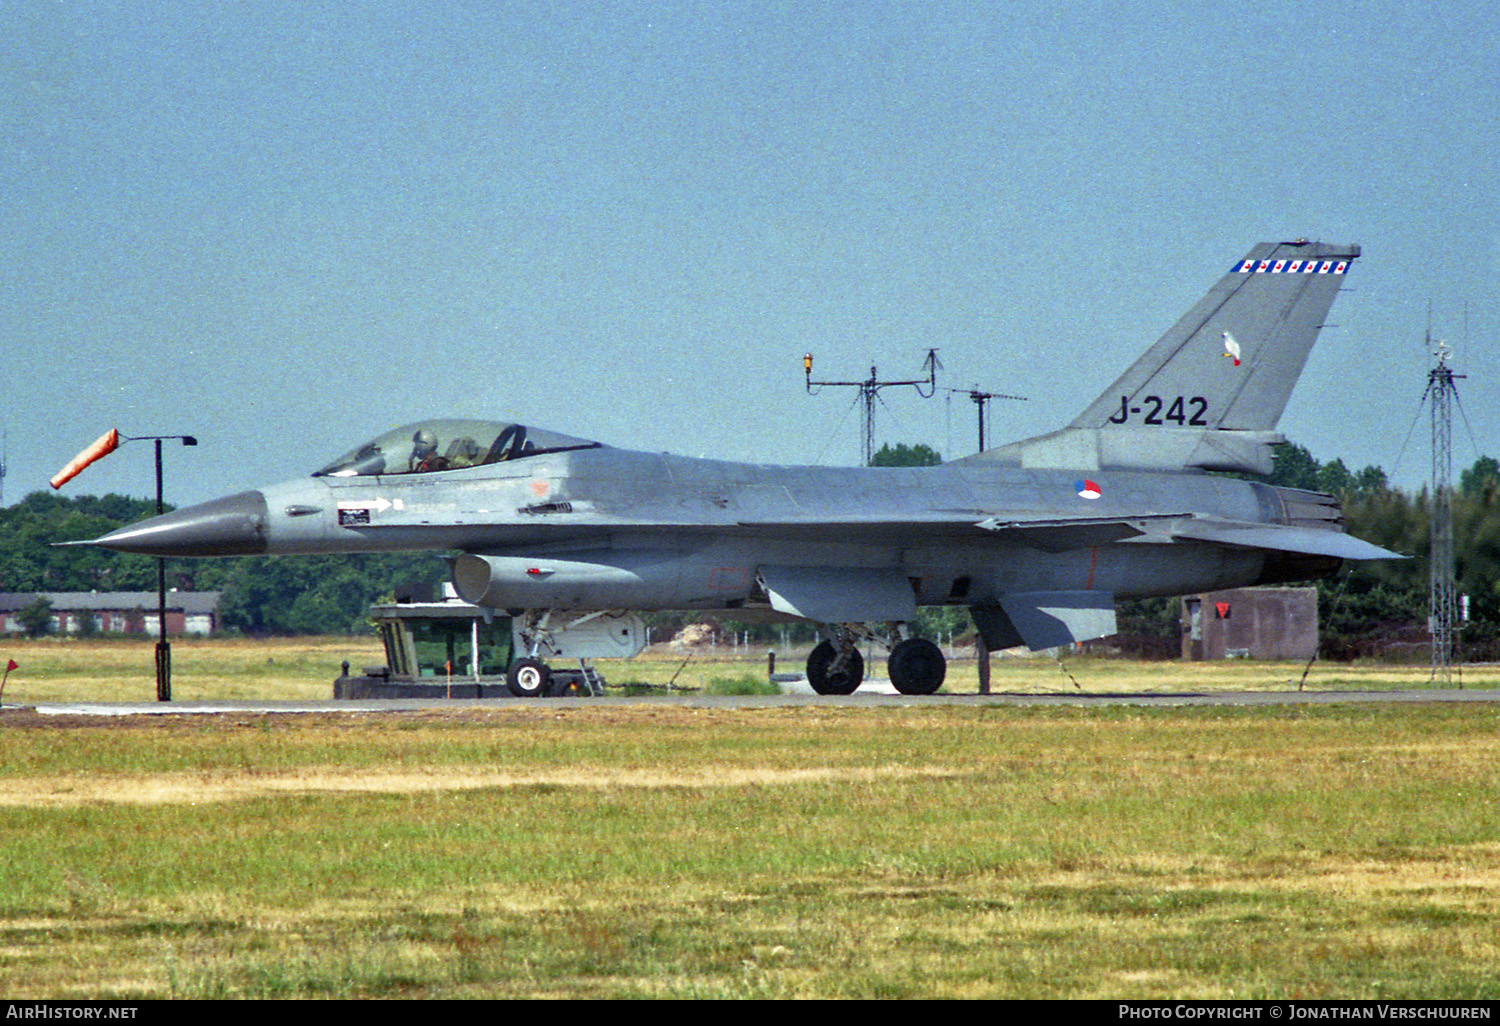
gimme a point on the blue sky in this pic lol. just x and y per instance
(287, 227)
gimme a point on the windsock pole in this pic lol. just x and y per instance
(107, 444)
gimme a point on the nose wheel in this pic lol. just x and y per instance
(528, 678)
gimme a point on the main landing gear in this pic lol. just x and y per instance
(916, 666)
(835, 670)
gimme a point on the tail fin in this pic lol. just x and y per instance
(1209, 393)
(1231, 362)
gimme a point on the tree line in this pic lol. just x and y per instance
(260, 594)
(1377, 608)
(1369, 609)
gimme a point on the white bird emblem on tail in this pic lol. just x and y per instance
(1231, 348)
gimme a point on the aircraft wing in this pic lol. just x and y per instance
(1064, 535)
(1049, 534)
(1045, 533)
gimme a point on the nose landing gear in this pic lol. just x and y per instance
(528, 678)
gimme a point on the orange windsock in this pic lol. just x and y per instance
(107, 443)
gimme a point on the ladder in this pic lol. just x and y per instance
(593, 681)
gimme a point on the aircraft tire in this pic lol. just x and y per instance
(845, 683)
(528, 678)
(917, 667)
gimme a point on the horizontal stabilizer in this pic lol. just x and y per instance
(1304, 540)
(1046, 619)
(840, 594)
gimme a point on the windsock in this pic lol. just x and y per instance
(107, 443)
(1231, 348)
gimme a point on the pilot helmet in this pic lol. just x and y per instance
(423, 443)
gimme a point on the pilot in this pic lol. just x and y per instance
(424, 455)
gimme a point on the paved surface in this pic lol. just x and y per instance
(1206, 698)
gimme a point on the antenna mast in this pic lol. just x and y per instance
(980, 400)
(870, 388)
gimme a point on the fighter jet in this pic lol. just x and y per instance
(1038, 538)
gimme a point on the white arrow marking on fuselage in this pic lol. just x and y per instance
(378, 505)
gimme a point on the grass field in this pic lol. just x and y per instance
(663, 851)
(116, 670)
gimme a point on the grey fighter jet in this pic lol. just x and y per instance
(1038, 537)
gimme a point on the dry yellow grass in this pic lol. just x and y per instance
(664, 851)
(650, 850)
(225, 786)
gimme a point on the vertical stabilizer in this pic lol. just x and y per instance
(1207, 396)
(1230, 363)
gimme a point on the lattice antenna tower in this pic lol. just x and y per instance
(1442, 608)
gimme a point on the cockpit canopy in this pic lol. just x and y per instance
(433, 445)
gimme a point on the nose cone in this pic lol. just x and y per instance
(232, 526)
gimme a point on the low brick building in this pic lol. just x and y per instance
(1251, 623)
(116, 612)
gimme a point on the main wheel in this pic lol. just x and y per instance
(845, 681)
(916, 667)
(528, 678)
